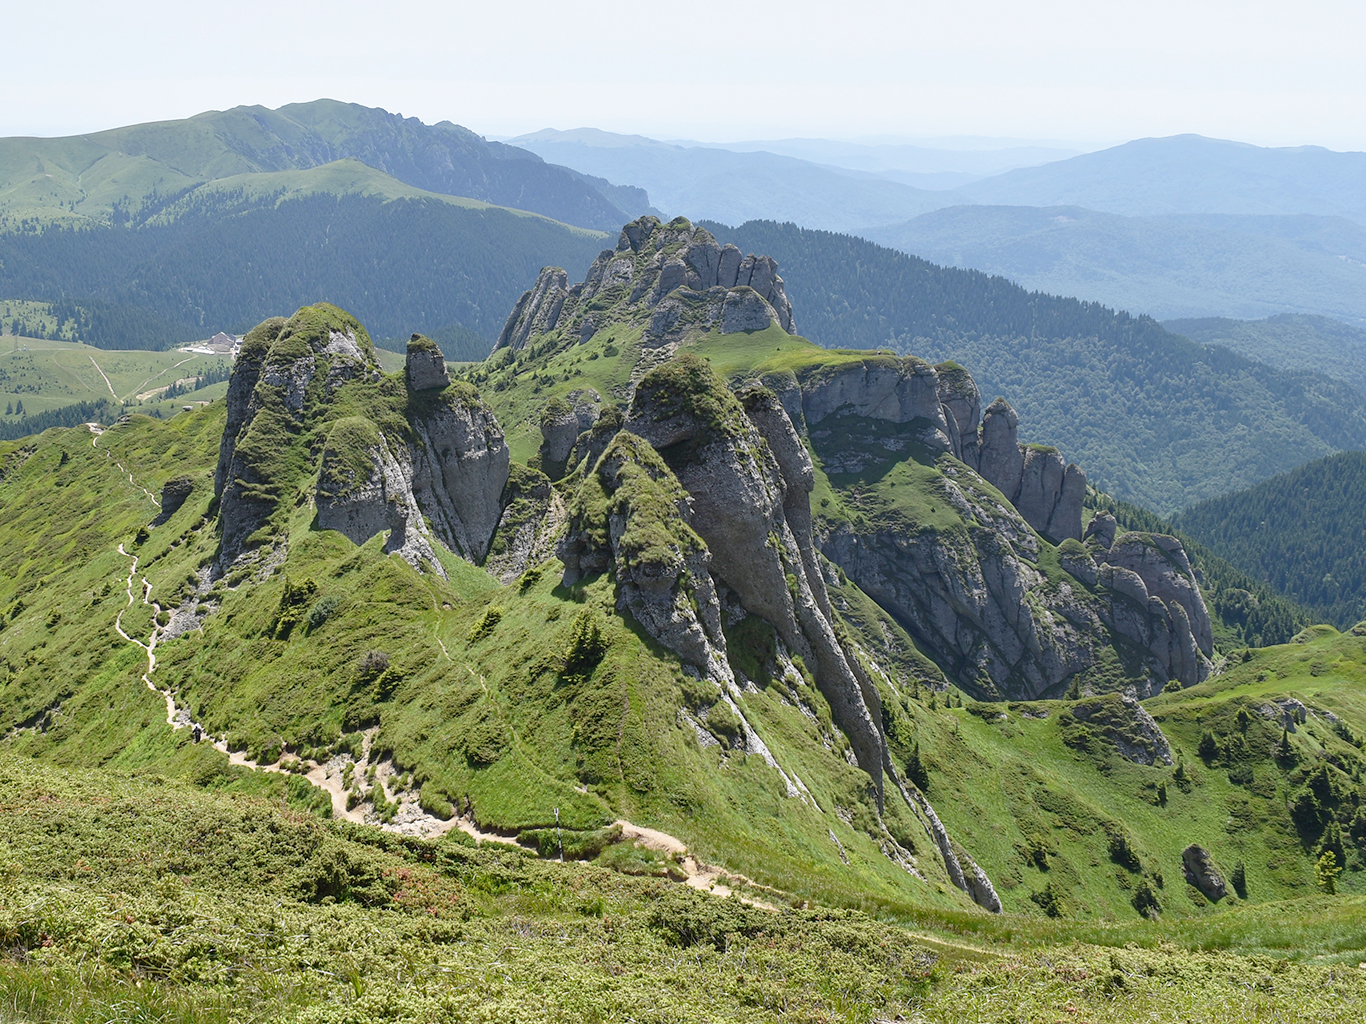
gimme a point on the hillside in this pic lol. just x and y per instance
(1300, 531)
(1289, 341)
(115, 176)
(1189, 174)
(268, 915)
(402, 258)
(1166, 267)
(1154, 418)
(670, 627)
(720, 184)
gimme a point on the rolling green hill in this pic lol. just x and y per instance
(1154, 418)
(1289, 341)
(1300, 531)
(126, 174)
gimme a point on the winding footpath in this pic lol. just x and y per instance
(330, 777)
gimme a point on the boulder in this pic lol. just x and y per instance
(745, 310)
(174, 493)
(425, 366)
(1200, 871)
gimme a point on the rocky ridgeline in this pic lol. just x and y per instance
(440, 459)
(672, 278)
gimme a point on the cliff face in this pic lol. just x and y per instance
(439, 454)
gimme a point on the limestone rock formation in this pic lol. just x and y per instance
(562, 421)
(272, 381)
(533, 516)
(630, 515)
(174, 493)
(887, 388)
(1153, 600)
(740, 490)
(460, 465)
(441, 456)
(674, 279)
(1200, 871)
(364, 490)
(425, 367)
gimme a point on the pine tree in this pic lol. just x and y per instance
(915, 769)
(1326, 872)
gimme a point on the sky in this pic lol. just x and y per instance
(1090, 73)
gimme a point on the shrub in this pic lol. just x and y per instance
(493, 614)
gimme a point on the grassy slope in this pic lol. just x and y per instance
(137, 898)
(495, 721)
(50, 374)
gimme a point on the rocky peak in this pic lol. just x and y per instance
(674, 279)
(440, 456)
(425, 367)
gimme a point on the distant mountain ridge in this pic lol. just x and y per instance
(110, 177)
(734, 186)
(1186, 265)
(1189, 174)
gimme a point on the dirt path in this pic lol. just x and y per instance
(155, 375)
(106, 379)
(330, 777)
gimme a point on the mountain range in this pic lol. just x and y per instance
(126, 174)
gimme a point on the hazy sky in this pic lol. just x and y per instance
(1095, 71)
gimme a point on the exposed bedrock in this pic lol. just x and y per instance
(364, 489)
(271, 385)
(738, 493)
(673, 278)
(460, 466)
(630, 515)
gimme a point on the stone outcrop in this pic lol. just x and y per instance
(271, 382)
(630, 515)
(1152, 599)
(425, 366)
(1200, 871)
(1047, 490)
(174, 493)
(460, 465)
(1121, 721)
(562, 421)
(533, 515)
(442, 459)
(363, 489)
(673, 279)
(740, 491)
(887, 388)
